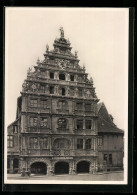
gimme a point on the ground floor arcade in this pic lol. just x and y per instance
(55, 166)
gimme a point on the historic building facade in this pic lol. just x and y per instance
(57, 128)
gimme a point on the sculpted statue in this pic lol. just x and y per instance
(47, 48)
(62, 32)
(91, 80)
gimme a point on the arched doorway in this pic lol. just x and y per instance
(39, 168)
(83, 167)
(61, 168)
(15, 165)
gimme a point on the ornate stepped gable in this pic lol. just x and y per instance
(59, 61)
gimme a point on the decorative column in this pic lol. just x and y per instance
(94, 144)
(74, 167)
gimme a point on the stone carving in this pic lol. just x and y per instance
(25, 86)
(56, 89)
(46, 89)
(76, 92)
(56, 75)
(68, 77)
(88, 94)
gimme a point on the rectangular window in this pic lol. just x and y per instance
(88, 124)
(42, 88)
(80, 92)
(51, 75)
(79, 79)
(88, 107)
(110, 159)
(42, 73)
(43, 122)
(79, 143)
(15, 129)
(43, 142)
(10, 141)
(51, 90)
(72, 77)
(88, 144)
(72, 92)
(79, 106)
(100, 141)
(105, 158)
(43, 103)
(79, 124)
(62, 104)
(33, 102)
(33, 142)
(33, 122)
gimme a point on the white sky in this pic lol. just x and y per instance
(99, 35)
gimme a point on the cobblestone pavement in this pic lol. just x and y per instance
(109, 176)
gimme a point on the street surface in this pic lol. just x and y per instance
(111, 176)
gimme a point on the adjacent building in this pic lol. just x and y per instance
(60, 127)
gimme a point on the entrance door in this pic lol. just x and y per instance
(62, 168)
(15, 165)
(39, 168)
(83, 167)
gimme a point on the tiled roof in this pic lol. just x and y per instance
(105, 124)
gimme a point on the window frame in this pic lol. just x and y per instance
(88, 145)
(100, 141)
(42, 88)
(62, 75)
(51, 90)
(81, 121)
(87, 107)
(10, 141)
(43, 103)
(32, 104)
(79, 103)
(31, 121)
(72, 77)
(80, 143)
(42, 122)
(89, 126)
(50, 75)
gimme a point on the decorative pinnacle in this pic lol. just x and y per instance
(38, 60)
(61, 32)
(76, 54)
(47, 48)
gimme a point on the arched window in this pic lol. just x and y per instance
(62, 123)
(61, 76)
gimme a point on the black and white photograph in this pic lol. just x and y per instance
(66, 95)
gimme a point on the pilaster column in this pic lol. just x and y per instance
(68, 77)
(84, 126)
(84, 141)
